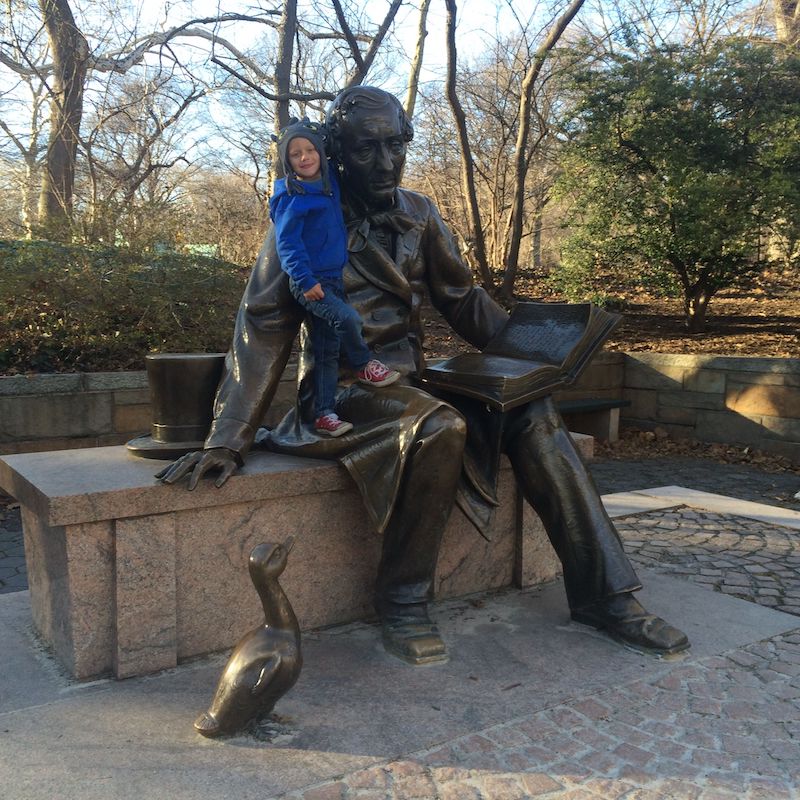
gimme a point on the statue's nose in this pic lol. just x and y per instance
(384, 158)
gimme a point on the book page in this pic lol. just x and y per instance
(541, 331)
(488, 364)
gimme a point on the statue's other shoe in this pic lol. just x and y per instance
(414, 642)
(624, 619)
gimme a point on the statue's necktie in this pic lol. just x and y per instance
(384, 227)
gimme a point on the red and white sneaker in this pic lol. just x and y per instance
(375, 373)
(331, 425)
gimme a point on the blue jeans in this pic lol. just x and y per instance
(336, 326)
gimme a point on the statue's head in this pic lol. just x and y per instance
(369, 131)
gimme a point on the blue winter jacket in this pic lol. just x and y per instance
(309, 232)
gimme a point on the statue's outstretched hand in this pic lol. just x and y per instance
(198, 463)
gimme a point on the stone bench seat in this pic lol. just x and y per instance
(128, 576)
(595, 416)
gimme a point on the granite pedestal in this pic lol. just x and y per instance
(129, 576)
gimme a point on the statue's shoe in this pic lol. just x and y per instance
(624, 619)
(414, 642)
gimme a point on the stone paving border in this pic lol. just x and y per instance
(743, 481)
(622, 503)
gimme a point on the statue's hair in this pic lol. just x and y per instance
(357, 98)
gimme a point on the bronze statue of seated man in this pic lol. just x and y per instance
(414, 455)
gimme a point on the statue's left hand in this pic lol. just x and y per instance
(198, 463)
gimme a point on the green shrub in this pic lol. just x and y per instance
(68, 308)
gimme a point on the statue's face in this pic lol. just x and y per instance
(372, 155)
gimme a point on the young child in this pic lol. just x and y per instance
(311, 241)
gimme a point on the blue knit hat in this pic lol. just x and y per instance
(316, 133)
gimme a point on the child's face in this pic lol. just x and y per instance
(304, 159)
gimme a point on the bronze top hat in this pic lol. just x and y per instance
(182, 390)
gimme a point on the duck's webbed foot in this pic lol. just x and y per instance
(207, 725)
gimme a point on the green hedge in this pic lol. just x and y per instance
(72, 308)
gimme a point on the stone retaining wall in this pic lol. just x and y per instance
(603, 378)
(752, 401)
(746, 400)
(65, 411)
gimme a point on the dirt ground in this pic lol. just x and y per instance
(763, 320)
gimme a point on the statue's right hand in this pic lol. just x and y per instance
(198, 463)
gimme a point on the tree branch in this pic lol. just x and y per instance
(269, 95)
(355, 51)
(376, 42)
(20, 146)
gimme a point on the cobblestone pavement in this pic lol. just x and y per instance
(743, 481)
(720, 727)
(747, 559)
(13, 577)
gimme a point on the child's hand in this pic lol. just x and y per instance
(314, 293)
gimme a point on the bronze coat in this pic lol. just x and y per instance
(388, 294)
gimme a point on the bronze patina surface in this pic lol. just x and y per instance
(412, 454)
(266, 662)
(182, 389)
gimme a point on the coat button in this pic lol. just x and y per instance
(377, 348)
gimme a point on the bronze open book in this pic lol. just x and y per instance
(542, 348)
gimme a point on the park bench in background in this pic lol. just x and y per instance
(595, 416)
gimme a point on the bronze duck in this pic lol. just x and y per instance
(266, 662)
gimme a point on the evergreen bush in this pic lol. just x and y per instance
(75, 308)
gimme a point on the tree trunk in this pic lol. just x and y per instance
(283, 66)
(695, 305)
(416, 61)
(70, 53)
(521, 160)
(283, 73)
(787, 21)
(467, 173)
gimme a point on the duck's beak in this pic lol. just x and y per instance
(288, 545)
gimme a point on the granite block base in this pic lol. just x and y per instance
(129, 576)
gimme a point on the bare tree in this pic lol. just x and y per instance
(523, 148)
(508, 236)
(363, 61)
(26, 143)
(225, 215)
(65, 78)
(129, 148)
